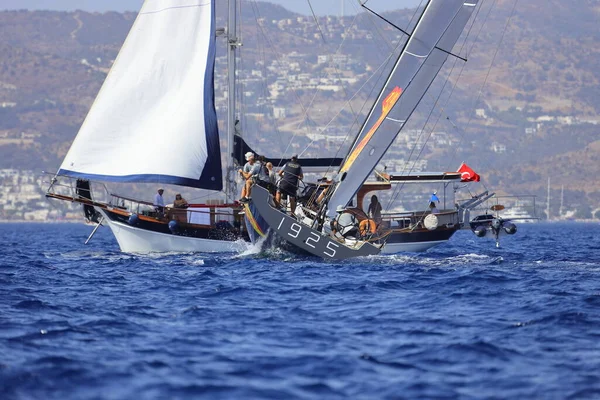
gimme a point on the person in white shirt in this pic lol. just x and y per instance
(159, 202)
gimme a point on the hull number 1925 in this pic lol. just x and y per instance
(294, 230)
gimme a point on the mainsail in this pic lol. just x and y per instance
(154, 119)
(421, 59)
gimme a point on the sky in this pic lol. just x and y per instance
(321, 7)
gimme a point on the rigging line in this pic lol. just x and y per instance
(389, 58)
(462, 134)
(420, 135)
(451, 72)
(463, 66)
(437, 100)
(338, 50)
(376, 27)
(471, 27)
(436, 123)
(458, 129)
(480, 92)
(348, 102)
(264, 72)
(363, 5)
(338, 75)
(487, 17)
(385, 19)
(379, 69)
(495, 54)
(204, 196)
(316, 21)
(278, 58)
(391, 46)
(380, 95)
(306, 119)
(346, 95)
(397, 190)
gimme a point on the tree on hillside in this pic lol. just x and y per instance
(584, 211)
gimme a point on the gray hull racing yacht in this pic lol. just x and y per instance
(317, 228)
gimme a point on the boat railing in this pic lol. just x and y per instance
(132, 205)
(67, 188)
(414, 219)
(203, 214)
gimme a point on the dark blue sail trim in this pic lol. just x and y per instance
(241, 148)
(212, 175)
(145, 178)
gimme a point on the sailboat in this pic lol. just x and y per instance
(154, 121)
(428, 46)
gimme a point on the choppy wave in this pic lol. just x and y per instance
(464, 320)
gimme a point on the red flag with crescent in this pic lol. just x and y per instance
(467, 174)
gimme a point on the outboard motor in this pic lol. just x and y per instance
(496, 224)
(480, 231)
(509, 228)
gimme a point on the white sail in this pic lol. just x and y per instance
(154, 119)
(438, 29)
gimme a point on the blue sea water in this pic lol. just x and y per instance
(463, 321)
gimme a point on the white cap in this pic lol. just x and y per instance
(249, 155)
(340, 208)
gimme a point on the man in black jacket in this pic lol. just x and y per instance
(288, 185)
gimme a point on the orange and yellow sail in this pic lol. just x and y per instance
(387, 105)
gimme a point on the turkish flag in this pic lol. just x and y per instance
(467, 174)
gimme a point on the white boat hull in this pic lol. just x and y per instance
(136, 240)
(414, 247)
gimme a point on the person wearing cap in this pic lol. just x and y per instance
(345, 223)
(259, 175)
(290, 174)
(159, 202)
(246, 173)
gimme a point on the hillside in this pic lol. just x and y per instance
(540, 97)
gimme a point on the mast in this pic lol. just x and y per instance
(548, 201)
(432, 40)
(562, 198)
(232, 44)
